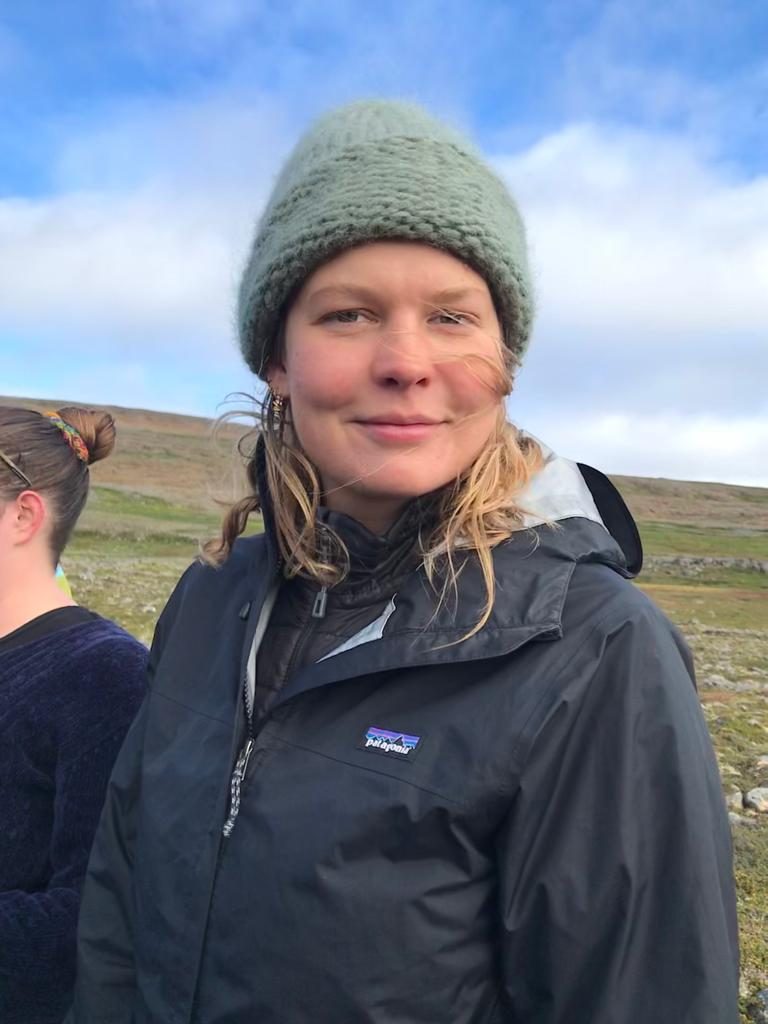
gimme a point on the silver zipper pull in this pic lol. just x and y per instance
(318, 608)
(238, 775)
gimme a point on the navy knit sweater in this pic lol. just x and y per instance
(66, 701)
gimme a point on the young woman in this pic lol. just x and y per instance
(421, 752)
(70, 683)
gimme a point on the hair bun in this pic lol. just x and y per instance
(96, 428)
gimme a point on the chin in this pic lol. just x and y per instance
(404, 486)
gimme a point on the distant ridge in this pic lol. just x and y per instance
(174, 456)
(164, 455)
(143, 418)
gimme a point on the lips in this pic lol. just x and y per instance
(399, 429)
(395, 419)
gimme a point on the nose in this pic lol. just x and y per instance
(403, 358)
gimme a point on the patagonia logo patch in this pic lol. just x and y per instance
(387, 741)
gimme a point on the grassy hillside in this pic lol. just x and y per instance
(706, 565)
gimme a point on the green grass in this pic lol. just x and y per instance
(111, 501)
(111, 510)
(130, 589)
(92, 543)
(751, 853)
(725, 607)
(675, 539)
(112, 513)
(738, 725)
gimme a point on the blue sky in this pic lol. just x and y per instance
(138, 140)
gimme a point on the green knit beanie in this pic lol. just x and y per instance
(379, 170)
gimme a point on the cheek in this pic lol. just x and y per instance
(470, 388)
(320, 389)
(323, 382)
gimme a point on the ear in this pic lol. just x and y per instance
(277, 378)
(28, 515)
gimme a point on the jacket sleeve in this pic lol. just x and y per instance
(616, 887)
(104, 989)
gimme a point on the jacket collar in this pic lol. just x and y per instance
(560, 491)
(573, 515)
(564, 490)
(378, 563)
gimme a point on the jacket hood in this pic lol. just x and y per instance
(561, 490)
(564, 490)
(574, 516)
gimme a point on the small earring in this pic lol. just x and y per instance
(277, 406)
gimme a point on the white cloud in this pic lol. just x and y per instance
(144, 242)
(146, 269)
(731, 450)
(632, 231)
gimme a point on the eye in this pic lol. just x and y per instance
(452, 317)
(345, 316)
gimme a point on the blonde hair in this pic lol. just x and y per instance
(476, 514)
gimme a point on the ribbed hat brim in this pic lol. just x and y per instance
(395, 188)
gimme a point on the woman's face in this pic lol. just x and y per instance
(392, 367)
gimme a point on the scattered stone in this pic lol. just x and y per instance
(757, 1011)
(734, 800)
(757, 799)
(688, 565)
(739, 819)
(762, 761)
(717, 681)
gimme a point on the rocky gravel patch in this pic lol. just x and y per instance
(693, 566)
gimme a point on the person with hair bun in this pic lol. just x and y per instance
(70, 684)
(420, 753)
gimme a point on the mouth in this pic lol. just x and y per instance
(401, 419)
(399, 429)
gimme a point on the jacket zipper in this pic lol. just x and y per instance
(320, 603)
(321, 600)
(317, 611)
(249, 685)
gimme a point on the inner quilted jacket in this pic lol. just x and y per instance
(526, 826)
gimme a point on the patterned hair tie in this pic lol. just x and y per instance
(71, 436)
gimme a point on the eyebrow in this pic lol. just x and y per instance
(348, 291)
(450, 295)
(444, 297)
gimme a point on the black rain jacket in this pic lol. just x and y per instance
(524, 827)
